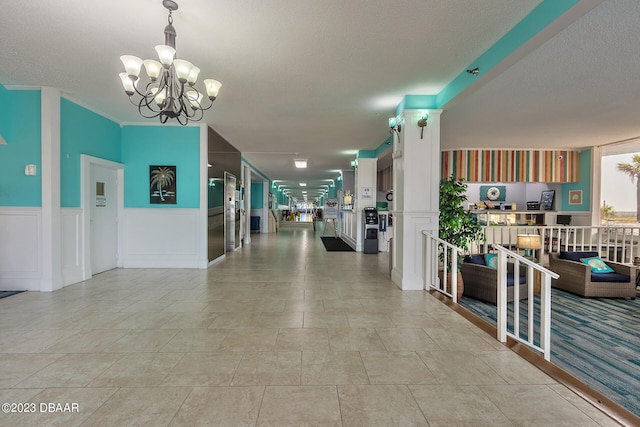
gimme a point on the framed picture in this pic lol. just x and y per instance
(546, 200)
(575, 197)
(162, 185)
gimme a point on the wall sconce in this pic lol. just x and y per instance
(354, 163)
(394, 126)
(422, 123)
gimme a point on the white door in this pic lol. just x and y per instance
(103, 219)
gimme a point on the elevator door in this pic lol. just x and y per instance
(230, 212)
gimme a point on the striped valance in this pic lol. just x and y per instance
(511, 165)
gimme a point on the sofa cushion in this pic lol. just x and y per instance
(610, 277)
(475, 259)
(597, 265)
(522, 279)
(491, 260)
(575, 256)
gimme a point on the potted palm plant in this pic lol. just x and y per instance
(455, 224)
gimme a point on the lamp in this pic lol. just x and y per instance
(422, 123)
(528, 242)
(394, 126)
(170, 92)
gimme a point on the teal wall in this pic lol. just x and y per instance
(583, 184)
(21, 128)
(143, 146)
(83, 132)
(257, 198)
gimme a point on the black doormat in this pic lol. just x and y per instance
(336, 244)
(4, 294)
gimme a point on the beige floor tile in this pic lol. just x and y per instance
(369, 320)
(342, 305)
(398, 367)
(204, 369)
(137, 370)
(76, 405)
(140, 321)
(514, 369)
(139, 406)
(586, 407)
(464, 406)
(535, 405)
(325, 320)
(31, 341)
(329, 368)
(360, 339)
(15, 368)
(195, 340)
(220, 406)
(406, 339)
(292, 319)
(249, 339)
(383, 405)
(70, 370)
(459, 367)
(308, 306)
(313, 339)
(149, 340)
(87, 341)
(189, 320)
(269, 368)
(289, 406)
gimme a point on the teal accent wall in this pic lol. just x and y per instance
(583, 184)
(83, 132)
(257, 198)
(21, 128)
(143, 146)
(366, 154)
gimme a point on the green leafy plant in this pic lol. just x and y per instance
(456, 226)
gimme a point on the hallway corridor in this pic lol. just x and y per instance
(280, 333)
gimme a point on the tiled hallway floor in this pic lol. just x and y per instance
(279, 333)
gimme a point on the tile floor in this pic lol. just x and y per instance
(280, 333)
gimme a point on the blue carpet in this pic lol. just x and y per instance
(596, 340)
(4, 294)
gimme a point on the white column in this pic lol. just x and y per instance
(247, 204)
(203, 217)
(50, 176)
(416, 179)
(366, 188)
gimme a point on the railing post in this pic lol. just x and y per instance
(545, 315)
(502, 297)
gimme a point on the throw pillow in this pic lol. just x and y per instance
(491, 260)
(576, 256)
(475, 259)
(597, 265)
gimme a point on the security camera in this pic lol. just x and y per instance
(560, 157)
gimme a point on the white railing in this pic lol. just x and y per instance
(614, 243)
(526, 335)
(441, 265)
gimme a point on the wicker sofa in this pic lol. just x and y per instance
(576, 277)
(481, 282)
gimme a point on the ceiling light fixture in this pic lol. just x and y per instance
(300, 163)
(422, 123)
(170, 93)
(303, 184)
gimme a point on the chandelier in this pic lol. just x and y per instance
(170, 91)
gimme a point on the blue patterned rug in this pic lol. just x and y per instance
(596, 340)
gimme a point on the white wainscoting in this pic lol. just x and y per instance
(72, 265)
(161, 238)
(20, 248)
(349, 229)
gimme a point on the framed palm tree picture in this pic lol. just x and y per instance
(162, 185)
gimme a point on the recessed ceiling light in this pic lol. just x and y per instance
(300, 163)
(303, 184)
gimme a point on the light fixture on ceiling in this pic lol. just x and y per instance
(394, 126)
(300, 163)
(474, 71)
(422, 123)
(170, 93)
(303, 184)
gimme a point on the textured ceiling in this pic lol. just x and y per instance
(318, 79)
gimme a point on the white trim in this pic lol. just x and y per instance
(85, 204)
(203, 214)
(23, 270)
